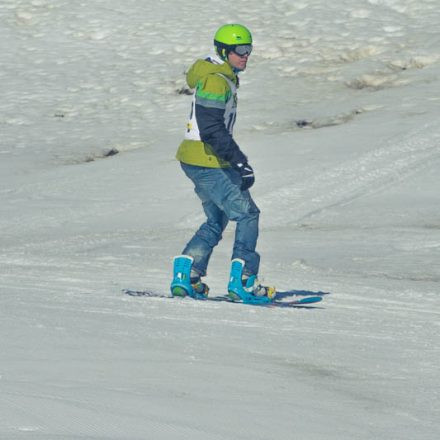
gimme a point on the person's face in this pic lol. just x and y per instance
(238, 61)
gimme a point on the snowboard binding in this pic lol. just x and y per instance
(185, 285)
(247, 291)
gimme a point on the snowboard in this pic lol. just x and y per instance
(284, 299)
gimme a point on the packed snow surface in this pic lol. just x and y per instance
(339, 115)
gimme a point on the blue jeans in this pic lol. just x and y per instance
(222, 200)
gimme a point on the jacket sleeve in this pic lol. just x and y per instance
(211, 97)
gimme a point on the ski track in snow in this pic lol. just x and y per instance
(372, 172)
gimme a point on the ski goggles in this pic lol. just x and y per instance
(242, 49)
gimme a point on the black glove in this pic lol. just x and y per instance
(247, 175)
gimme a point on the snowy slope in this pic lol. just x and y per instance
(338, 114)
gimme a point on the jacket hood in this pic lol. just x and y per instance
(208, 66)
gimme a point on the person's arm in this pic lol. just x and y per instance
(211, 98)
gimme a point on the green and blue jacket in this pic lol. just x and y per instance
(208, 139)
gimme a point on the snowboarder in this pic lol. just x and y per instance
(220, 172)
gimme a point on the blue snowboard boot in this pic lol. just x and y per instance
(247, 290)
(184, 284)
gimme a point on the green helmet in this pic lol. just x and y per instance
(229, 36)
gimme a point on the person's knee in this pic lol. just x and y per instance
(243, 209)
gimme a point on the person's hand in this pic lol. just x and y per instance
(247, 175)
